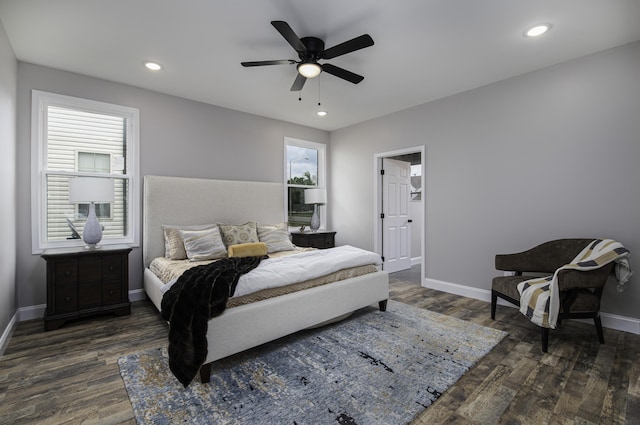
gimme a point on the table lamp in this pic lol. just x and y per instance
(91, 190)
(316, 197)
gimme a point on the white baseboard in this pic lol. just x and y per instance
(31, 312)
(457, 289)
(137, 295)
(620, 323)
(609, 320)
(8, 331)
(416, 260)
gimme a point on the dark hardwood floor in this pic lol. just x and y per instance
(71, 376)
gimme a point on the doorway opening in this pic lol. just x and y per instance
(399, 208)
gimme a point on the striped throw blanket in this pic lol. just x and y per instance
(540, 298)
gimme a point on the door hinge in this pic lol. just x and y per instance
(382, 172)
(382, 215)
(382, 258)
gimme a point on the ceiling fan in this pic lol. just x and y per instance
(310, 50)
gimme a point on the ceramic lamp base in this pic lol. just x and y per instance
(92, 233)
(315, 219)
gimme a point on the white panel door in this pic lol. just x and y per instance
(396, 237)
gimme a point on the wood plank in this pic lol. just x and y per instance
(70, 376)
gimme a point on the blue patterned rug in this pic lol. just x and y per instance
(372, 368)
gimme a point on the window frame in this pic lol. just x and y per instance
(40, 101)
(321, 148)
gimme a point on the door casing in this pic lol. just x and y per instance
(377, 204)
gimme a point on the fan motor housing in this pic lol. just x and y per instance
(314, 46)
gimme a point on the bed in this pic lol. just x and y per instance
(192, 201)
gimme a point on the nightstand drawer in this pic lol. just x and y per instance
(89, 295)
(111, 267)
(66, 299)
(66, 272)
(111, 293)
(322, 243)
(89, 269)
(321, 240)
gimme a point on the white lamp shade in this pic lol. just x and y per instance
(315, 196)
(90, 189)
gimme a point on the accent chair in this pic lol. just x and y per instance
(580, 291)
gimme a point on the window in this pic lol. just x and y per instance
(74, 137)
(416, 182)
(304, 168)
(95, 163)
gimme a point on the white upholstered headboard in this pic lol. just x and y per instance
(179, 200)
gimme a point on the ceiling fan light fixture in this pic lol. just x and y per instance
(309, 70)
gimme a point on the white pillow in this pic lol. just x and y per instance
(173, 245)
(203, 245)
(276, 236)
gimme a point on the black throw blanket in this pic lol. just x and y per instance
(198, 295)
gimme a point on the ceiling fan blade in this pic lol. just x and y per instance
(285, 30)
(342, 73)
(352, 45)
(298, 83)
(262, 63)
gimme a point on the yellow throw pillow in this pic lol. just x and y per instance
(254, 249)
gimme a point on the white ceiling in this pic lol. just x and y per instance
(424, 49)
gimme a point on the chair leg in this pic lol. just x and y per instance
(494, 301)
(545, 339)
(598, 323)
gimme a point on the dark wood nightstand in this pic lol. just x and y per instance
(320, 239)
(84, 282)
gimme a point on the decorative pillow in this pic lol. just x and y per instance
(173, 245)
(276, 236)
(255, 249)
(203, 245)
(235, 234)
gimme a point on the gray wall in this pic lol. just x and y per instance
(545, 155)
(554, 153)
(8, 141)
(178, 138)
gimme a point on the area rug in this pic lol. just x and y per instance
(372, 368)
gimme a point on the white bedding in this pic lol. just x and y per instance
(282, 271)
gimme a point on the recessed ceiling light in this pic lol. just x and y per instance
(321, 113)
(153, 66)
(537, 30)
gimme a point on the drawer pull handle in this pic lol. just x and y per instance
(111, 292)
(110, 268)
(67, 299)
(67, 273)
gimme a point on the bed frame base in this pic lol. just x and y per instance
(177, 200)
(383, 305)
